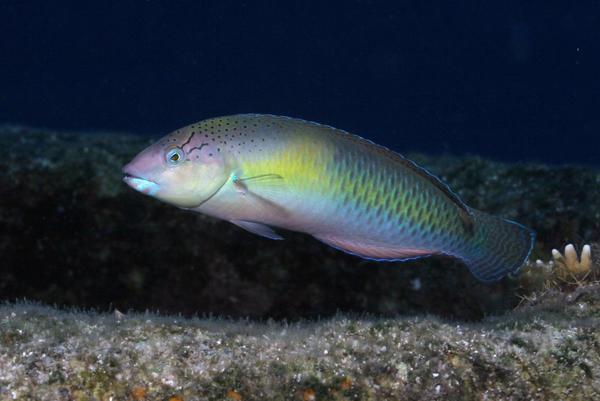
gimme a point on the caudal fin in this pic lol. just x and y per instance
(498, 247)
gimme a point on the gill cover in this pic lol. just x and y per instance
(192, 174)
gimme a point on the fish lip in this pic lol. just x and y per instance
(131, 172)
(128, 177)
(142, 185)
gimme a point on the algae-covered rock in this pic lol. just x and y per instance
(71, 233)
(547, 349)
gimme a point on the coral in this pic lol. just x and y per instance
(565, 271)
(569, 267)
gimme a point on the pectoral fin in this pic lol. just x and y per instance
(262, 185)
(257, 228)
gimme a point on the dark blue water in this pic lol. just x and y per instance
(506, 80)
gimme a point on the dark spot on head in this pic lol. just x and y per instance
(210, 154)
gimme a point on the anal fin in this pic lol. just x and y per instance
(374, 251)
(257, 228)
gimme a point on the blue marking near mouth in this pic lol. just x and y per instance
(139, 184)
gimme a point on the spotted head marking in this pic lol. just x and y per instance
(183, 168)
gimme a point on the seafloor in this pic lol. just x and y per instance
(72, 234)
(548, 350)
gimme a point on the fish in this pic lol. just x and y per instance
(264, 172)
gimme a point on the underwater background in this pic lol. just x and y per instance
(509, 80)
(498, 99)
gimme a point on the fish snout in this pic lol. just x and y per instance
(137, 173)
(145, 165)
(131, 170)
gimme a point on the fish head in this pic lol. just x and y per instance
(180, 169)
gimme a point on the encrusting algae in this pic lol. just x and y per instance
(543, 350)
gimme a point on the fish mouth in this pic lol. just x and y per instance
(141, 184)
(129, 177)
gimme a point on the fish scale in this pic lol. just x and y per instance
(262, 171)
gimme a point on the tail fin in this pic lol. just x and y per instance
(498, 247)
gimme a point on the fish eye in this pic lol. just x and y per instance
(175, 156)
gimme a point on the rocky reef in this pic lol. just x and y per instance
(546, 349)
(323, 324)
(73, 234)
